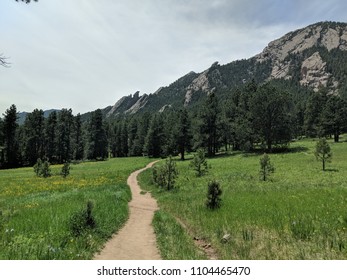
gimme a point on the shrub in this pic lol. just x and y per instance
(42, 169)
(199, 163)
(323, 152)
(165, 176)
(213, 195)
(65, 170)
(266, 168)
(82, 220)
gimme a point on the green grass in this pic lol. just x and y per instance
(35, 212)
(301, 213)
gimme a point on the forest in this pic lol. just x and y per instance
(255, 116)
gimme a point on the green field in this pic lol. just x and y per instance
(35, 213)
(301, 213)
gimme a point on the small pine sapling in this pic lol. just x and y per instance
(214, 195)
(323, 152)
(199, 163)
(165, 176)
(65, 170)
(266, 168)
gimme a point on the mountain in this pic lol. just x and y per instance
(311, 57)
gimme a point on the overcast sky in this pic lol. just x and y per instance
(86, 54)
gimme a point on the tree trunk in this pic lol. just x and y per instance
(336, 137)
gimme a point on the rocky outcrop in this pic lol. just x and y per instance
(313, 70)
(138, 105)
(162, 109)
(124, 103)
(206, 83)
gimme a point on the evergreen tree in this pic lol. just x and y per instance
(213, 195)
(155, 137)
(132, 131)
(334, 117)
(98, 143)
(208, 125)
(270, 110)
(78, 138)
(1, 142)
(184, 135)
(323, 152)
(266, 168)
(124, 138)
(64, 136)
(51, 132)
(11, 148)
(138, 145)
(165, 176)
(65, 170)
(199, 163)
(34, 137)
(313, 113)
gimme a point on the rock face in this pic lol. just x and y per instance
(328, 35)
(206, 83)
(313, 72)
(140, 103)
(124, 103)
(307, 55)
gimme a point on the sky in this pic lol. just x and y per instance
(86, 55)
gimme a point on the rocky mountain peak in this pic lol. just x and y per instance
(325, 34)
(329, 35)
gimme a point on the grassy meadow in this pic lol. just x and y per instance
(36, 213)
(300, 213)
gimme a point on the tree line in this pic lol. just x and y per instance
(252, 117)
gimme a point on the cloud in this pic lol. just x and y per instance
(88, 54)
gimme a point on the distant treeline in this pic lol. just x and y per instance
(266, 116)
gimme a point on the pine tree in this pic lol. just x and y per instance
(11, 148)
(154, 138)
(97, 142)
(334, 117)
(78, 153)
(207, 135)
(1, 142)
(34, 136)
(271, 117)
(323, 152)
(313, 113)
(165, 175)
(64, 135)
(213, 195)
(65, 170)
(199, 163)
(184, 134)
(51, 137)
(266, 168)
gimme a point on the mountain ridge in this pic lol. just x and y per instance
(303, 55)
(311, 57)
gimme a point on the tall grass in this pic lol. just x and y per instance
(35, 213)
(301, 213)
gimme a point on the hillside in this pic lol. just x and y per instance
(313, 57)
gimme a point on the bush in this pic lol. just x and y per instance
(65, 170)
(323, 152)
(82, 220)
(165, 176)
(199, 163)
(213, 195)
(42, 169)
(266, 168)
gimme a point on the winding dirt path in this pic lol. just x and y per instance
(136, 240)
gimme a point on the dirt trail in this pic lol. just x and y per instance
(136, 240)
